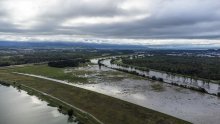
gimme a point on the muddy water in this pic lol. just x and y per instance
(183, 103)
(211, 88)
(20, 108)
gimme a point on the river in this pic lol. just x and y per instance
(17, 107)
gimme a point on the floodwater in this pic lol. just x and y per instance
(193, 106)
(211, 88)
(20, 108)
(189, 105)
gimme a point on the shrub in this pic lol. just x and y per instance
(160, 79)
(218, 94)
(66, 63)
(70, 112)
(153, 78)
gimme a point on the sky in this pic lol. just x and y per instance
(112, 21)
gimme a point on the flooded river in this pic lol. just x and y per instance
(183, 103)
(209, 87)
(20, 108)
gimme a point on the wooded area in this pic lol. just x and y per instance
(67, 63)
(202, 67)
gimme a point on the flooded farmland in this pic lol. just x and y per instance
(183, 103)
(205, 86)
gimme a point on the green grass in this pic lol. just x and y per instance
(107, 109)
(113, 75)
(57, 73)
(81, 117)
(72, 75)
(80, 72)
(157, 87)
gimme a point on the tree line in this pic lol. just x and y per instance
(67, 63)
(202, 67)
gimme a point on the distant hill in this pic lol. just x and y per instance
(67, 45)
(84, 45)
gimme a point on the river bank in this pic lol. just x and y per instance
(80, 116)
(18, 107)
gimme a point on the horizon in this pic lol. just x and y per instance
(98, 45)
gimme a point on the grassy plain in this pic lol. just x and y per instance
(74, 75)
(57, 73)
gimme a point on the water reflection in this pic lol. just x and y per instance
(70, 120)
(183, 103)
(209, 87)
(21, 108)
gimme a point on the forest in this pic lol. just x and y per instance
(67, 63)
(9, 56)
(201, 67)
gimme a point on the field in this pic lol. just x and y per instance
(72, 75)
(57, 73)
(107, 109)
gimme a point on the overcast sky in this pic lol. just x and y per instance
(112, 21)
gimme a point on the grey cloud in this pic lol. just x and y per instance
(167, 19)
(188, 22)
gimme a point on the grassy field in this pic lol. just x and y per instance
(107, 109)
(57, 73)
(157, 87)
(74, 75)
